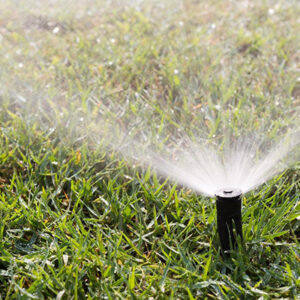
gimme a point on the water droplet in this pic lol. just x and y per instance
(56, 30)
(271, 11)
(65, 259)
(21, 99)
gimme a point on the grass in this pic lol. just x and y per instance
(78, 221)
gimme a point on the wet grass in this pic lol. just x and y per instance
(76, 220)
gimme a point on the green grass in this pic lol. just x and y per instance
(77, 221)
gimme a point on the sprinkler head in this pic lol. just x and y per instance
(229, 217)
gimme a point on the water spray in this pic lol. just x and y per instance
(229, 217)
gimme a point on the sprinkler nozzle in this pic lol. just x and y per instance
(229, 217)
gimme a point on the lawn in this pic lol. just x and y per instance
(87, 88)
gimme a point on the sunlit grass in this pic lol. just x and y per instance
(78, 221)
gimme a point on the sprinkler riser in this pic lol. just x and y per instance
(229, 218)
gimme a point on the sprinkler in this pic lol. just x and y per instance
(229, 218)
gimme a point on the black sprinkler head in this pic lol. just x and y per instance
(229, 217)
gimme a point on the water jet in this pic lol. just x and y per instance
(229, 217)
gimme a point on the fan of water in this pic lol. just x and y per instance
(242, 163)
